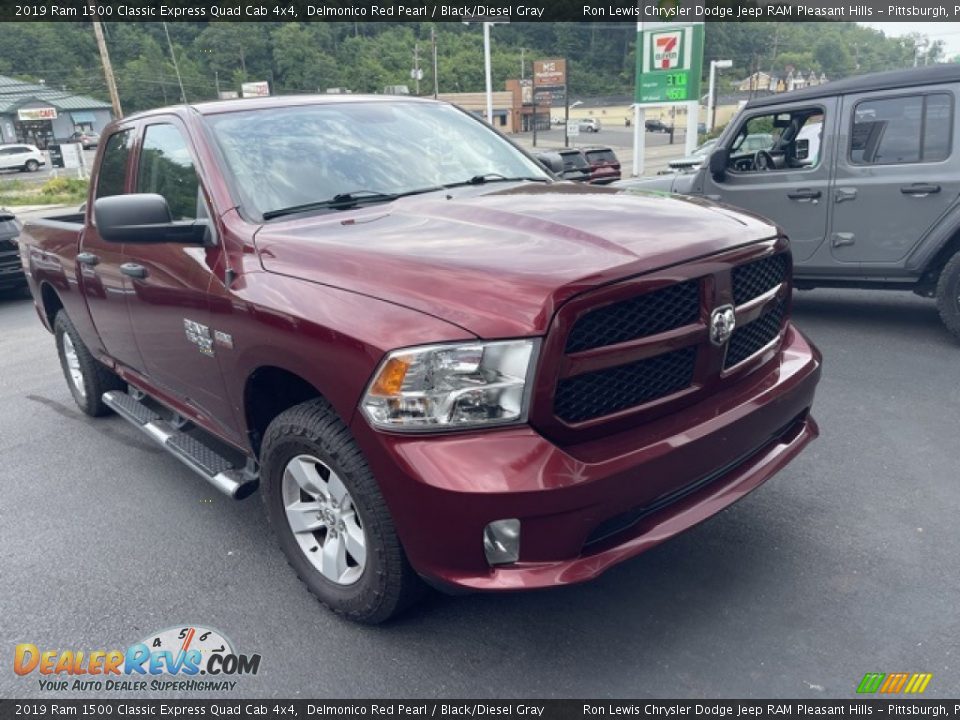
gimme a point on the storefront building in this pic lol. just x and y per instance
(38, 115)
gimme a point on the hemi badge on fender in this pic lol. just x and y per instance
(224, 339)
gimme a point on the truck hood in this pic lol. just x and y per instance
(498, 264)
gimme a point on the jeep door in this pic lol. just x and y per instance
(897, 173)
(793, 190)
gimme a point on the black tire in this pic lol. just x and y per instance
(97, 378)
(948, 295)
(31, 166)
(388, 584)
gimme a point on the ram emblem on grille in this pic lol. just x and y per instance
(722, 322)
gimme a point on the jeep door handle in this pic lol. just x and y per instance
(804, 194)
(133, 270)
(86, 258)
(920, 189)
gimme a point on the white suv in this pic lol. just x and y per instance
(589, 125)
(21, 157)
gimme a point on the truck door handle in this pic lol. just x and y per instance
(133, 270)
(804, 194)
(87, 258)
(920, 189)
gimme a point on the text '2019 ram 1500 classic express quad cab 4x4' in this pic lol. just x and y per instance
(863, 175)
(437, 361)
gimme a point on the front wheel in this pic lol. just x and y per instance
(87, 378)
(330, 518)
(948, 295)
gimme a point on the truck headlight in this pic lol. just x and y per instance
(439, 387)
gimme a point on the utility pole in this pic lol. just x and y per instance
(436, 81)
(486, 67)
(522, 68)
(216, 80)
(176, 67)
(107, 67)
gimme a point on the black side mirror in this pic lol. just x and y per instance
(144, 218)
(802, 151)
(718, 164)
(551, 161)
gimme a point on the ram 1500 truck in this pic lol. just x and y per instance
(436, 361)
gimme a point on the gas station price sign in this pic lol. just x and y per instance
(669, 63)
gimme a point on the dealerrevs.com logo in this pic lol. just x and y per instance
(184, 658)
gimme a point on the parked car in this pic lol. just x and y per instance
(657, 126)
(26, 158)
(575, 165)
(863, 174)
(11, 268)
(448, 367)
(86, 138)
(604, 165)
(589, 125)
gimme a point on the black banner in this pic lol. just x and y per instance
(445, 709)
(605, 11)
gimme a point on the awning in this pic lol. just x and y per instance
(83, 117)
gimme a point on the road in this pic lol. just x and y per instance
(47, 171)
(844, 563)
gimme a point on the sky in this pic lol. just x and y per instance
(949, 33)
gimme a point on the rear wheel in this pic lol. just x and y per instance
(330, 518)
(31, 166)
(948, 295)
(87, 378)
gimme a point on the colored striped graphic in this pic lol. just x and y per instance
(894, 683)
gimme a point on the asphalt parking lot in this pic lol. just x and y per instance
(844, 563)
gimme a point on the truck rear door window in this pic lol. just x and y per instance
(166, 168)
(111, 179)
(898, 130)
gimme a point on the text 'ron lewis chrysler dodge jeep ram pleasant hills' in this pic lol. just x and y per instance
(437, 362)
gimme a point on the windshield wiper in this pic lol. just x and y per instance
(346, 201)
(495, 177)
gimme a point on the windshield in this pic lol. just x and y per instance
(292, 156)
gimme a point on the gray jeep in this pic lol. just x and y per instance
(863, 174)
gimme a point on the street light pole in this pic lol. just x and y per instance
(486, 65)
(712, 94)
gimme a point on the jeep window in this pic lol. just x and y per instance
(113, 166)
(788, 140)
(166, 168)
(292, 156)
(906, 129)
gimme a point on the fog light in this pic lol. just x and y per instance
(501, 541)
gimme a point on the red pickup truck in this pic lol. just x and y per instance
(435, 360)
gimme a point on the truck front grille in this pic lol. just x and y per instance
(753, 337)
(756, 278)
(672, 307)
(9, 255)
(633, 353)
(608, 391)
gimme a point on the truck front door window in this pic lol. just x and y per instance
(111, 180)
(166, 168)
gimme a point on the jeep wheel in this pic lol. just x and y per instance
(330, 518)
(87, 378)
(948, 295)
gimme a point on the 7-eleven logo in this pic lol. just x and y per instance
(666, 50)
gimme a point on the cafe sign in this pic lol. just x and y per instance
(45, 113)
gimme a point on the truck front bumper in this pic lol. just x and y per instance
(583, 508)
